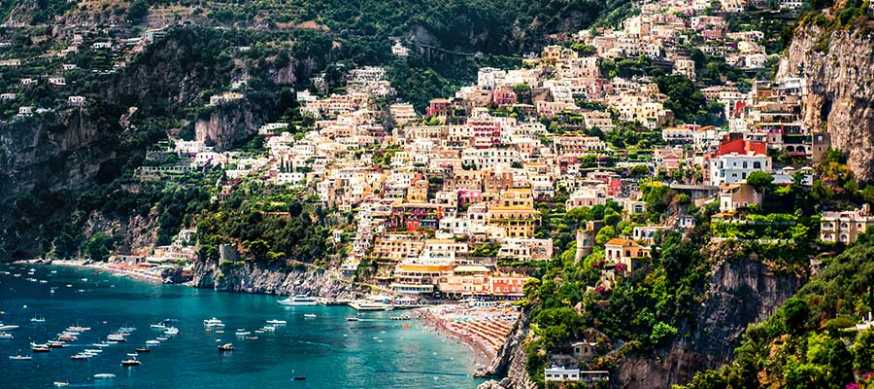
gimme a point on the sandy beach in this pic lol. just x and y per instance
(484, 329)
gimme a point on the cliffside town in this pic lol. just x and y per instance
(615, 208)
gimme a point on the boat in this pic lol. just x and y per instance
(299, 378)
(6, 336)
(401, 317)
(38, 320)
(59, 384)
(20, 357)
(77, 328)
(141, 350)
(226, 347)
(66, 337)
(127, 330)
(133, 355)
(269, 328)
(365, 305)
(209, 323)
(162, 338)
(153, 342)
(8, 327)
(158, 326)
(116, 337)
(310, 315)
(101, 344)
(104, 376)
(92, 351)
(242, 332)
(251, 338)
(277, 322)
(39, 348)
(80, 357)
(353, 318)
(57, 344)
(299, 300)
(130, 362)
(171, 331)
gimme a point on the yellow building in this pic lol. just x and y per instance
(514, 212)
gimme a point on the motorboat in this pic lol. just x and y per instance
(8, 327)
(116, 337)
(92, 351)
(57, 344)
(226, 347)
(38, 320)
(104, 376)
(80, 357)
(310, 315)
(209, 323)
(375, 303)
(6, 336)
(20, 357)
(131, 362)
(269, 328)
(133, 355)
(141, 350)
(242, 332)
(299, 300)
(353, 318)
(101, 344)
(60, 384)
(277, 322)
(153, 342)
(158, 326)
(79, 329)
(171, 331)
(39, 348)
(162, 338)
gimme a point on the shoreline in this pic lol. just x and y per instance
(117, 269)
(481, 356)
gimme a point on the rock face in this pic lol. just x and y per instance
(741, 292)
(55, 150)
(510, 361)
(840, 69)
(227, 125)
(258, 278)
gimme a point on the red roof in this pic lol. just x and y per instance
(742, 146)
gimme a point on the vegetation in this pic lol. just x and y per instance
(806, 344)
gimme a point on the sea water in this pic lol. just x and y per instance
(328, 350)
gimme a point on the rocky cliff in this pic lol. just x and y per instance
(740, 292)
(229, 124)
(510, 362)
(839, 66)
(267, 279)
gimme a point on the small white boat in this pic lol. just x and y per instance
(93, 351)
(6, 336)
(153, 342)
(104, 376)
(269, 328)
(243, 333)
(20, 357)
(101, 344)
(8, 327)
(277, 322)
(162, 338)
(133, 355)
(60, 384)
(309, 315)
(117, 337)
(171, 331)
(159, 326)
(299, 300)
(38, 320)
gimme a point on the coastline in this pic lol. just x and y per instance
(484, 330)
(118, 268)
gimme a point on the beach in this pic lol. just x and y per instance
(484, 329)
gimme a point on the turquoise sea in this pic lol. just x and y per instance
(328, 350)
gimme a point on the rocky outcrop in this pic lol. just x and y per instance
(270, 279)
(839, 66)
(227, 125)
(741, 291)
(56, 150)
(510, 362)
